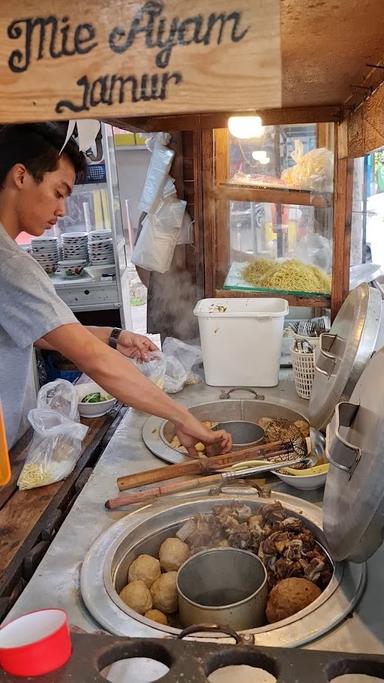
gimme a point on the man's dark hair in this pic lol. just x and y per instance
(37, 146)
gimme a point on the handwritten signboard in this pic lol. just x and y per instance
(77, 58)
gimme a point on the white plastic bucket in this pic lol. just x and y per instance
(241, 340)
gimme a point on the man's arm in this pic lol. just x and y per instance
(120, 378)
(129, 344)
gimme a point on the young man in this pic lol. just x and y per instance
(35, 179)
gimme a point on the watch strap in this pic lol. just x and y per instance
(114, 336)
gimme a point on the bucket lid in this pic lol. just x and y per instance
(353, 513)
(343, 352)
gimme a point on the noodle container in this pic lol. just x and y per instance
(241, 340)
(223, 586)
(36, 643)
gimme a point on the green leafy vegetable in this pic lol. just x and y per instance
(95, 397)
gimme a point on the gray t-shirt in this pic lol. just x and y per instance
(29, 309)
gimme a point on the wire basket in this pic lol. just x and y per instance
(303, 372)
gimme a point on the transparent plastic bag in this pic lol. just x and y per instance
(180, 358)
(160, 232)
(312, 171)
(315, 250)
(186, 231)
(56, 443)
(157, 174)
(153, 369)
(61, 396)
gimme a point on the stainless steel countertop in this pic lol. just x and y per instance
(56, 580)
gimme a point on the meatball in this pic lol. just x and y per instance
(303, 427)
(145, 568)
(164, 594)
(156, 615)
(290, 596)
(173, 552)
(137, 596)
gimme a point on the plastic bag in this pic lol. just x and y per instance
(157, 174)
(56, 444)
(160, 232)
(61, 396)
(153, 369)
(312, 171)
(315, 250)
(154, 250)
(186, 232)
(180, 360)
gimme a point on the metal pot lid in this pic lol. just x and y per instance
(353, 513)
(343, 352)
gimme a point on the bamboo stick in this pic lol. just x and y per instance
(174, 487)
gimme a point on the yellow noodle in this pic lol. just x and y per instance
(291, 275)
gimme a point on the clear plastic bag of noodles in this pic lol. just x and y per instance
(56, 444)
(312, 171)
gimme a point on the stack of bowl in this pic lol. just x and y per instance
(75, 246)
(74, 254)
(100, 248)
(45, 250)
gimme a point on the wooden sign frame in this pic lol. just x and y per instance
(128, 58)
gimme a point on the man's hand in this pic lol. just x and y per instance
(191, 431)
(135, 345)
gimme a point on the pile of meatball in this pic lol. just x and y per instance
(151, 587)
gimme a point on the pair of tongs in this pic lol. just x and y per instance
(222, 477)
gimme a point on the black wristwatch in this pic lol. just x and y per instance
(114, 336)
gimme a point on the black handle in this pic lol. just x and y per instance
(227, 394)
(209, 628)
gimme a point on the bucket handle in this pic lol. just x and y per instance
(227, 394)
(209, 628)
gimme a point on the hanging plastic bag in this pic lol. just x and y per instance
(180, 358)
(154, 250)
(186, 231)
(153, 369)
(157, 174)
(56, 443)
(160, 232)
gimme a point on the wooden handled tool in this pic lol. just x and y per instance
(178, 486)
(203, 465)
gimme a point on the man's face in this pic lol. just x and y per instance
(41, 204)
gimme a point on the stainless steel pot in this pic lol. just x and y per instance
(105, 568)
(244, 434)
(158, 433)
(223, 586)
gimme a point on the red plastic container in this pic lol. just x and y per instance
(36, 643)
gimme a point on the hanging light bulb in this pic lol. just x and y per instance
(245, 126)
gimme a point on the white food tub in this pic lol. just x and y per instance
(241, 340)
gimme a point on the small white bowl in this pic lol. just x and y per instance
(93, 409)
(72, 262)
(303, 483)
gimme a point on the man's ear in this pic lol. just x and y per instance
(17, 175)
